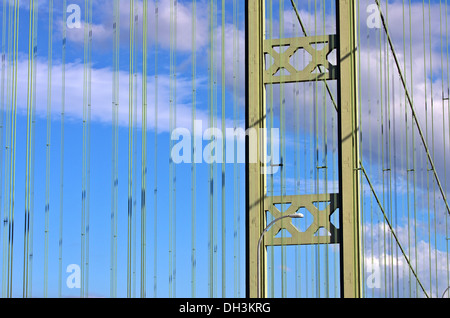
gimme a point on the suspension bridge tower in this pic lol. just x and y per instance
(264, 60)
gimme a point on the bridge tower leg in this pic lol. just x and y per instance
(349, 176)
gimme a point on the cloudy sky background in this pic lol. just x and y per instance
(427, 245)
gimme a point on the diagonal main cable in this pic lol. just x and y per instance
(390, 227)
(410, 102)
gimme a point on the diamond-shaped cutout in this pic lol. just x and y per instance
(305, 222)
(300, 59)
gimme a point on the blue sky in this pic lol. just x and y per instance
(101, 154)
(299, 172)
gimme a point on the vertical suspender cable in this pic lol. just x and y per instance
(369, 86)
(114, 169)
(170, 144)
(443, 105)
(386, 160)
(33, 146)
(433, 146)
(130, 148)
(325, 150)
(427, 139)
(296, 110)
(144, 152)
(194, 150)
(2, 96)
(83, 177)
(174, 166)
(310, 286)
(359, 92)
(5, 269)
(29, 147)
(334, 175)
(235, 208)
(389, 168)
(136, 17)
(413, 147)
(210, 181)
(63, 102)
(432, 142)
(12, 160)
(173, 178)
(283, 155)
(448, 114)
(271, 263)
(155, 192)
(406, 143)
(88, 150)
(214, 163)
(382, 157)
(237, 116)
(408, 152)
(83, 173)
(316, 154)
(13, 133)
(238, 171)
(2, 129)
(223, 155)
(47, 176)
(171, 128)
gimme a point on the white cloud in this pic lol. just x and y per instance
(102, 77)
(103, 21)
(101, 109)
(381, 253)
